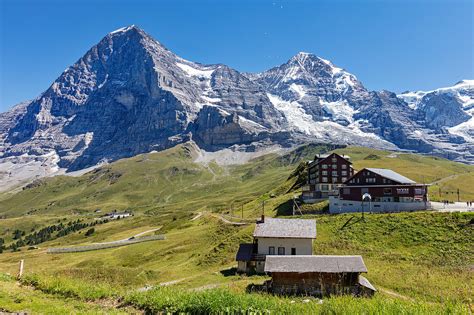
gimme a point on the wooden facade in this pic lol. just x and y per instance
(314, 283)
(317, 275)
(382, 188)
(326, 174)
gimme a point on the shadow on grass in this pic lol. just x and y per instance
(353, 220)
(229, 272)
(285, 208)
(258, 288)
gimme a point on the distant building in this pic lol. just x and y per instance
(276, 237)
(326, 173)
(116, 215)
(317, 275)
(389, 192)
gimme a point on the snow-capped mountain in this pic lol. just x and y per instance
(129, 94)
(448, 109)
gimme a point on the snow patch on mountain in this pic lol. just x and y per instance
(331, 131)
(465, 130)
(344, 80)
(298, 89)
(297, 118)
(15, 171)
(339, 110)
(464, 90)
(196, 72)
(122, 29)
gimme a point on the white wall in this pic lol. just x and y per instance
(304, 246)
(343, 206)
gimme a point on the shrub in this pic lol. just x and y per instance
(90, 232)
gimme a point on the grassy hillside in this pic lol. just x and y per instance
(420, 262)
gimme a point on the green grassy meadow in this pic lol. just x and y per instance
(420, 262)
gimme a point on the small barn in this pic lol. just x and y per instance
(317, 275)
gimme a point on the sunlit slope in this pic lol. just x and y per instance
(171, 180)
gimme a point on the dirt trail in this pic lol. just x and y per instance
(197, 216)
(395, 294)
(220, 217)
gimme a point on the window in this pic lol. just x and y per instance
(281, 250)
(325, 179)
(344, 179)
(334, 173)
(324, 187)
(325, 173)
(344, 166)
(334, 179)
(344, 173)
(419, 191)
(324, 166)
(403, 191)
(370, 180)
(334, 160)
(334, 166)
(387, 191)
(271, 250)
(293, 251)
(346, 191)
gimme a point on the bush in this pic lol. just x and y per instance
(90, 232)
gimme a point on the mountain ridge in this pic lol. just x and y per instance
(129, 94)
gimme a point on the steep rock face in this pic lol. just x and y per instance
(215, 127)
(442, 111)
(392, 119)
(248, 99)
(109, 104)
(128, 95)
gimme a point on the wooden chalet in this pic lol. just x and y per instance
(326, 173)
(317, 275)
(388, 190)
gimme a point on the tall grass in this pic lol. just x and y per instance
(221, 301)
(70, 288)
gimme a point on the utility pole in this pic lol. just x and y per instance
(242, 211)
(458, 196)
(293, 206)
(20, 272)
(263, 207)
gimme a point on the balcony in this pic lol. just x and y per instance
(258, 257)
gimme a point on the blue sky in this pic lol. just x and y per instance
(393, 45)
